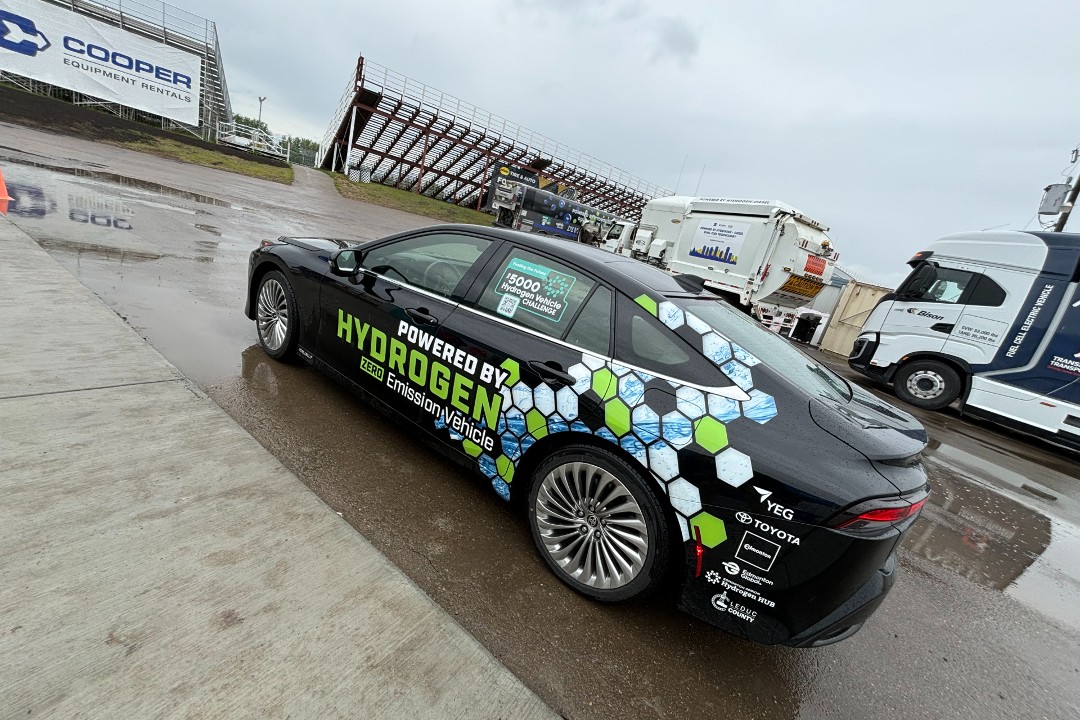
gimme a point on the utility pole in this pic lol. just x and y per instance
(1068, 206)
(259, 121)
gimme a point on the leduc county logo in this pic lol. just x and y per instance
(20, 35)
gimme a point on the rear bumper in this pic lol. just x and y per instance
(847, 619)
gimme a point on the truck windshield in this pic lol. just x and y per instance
(770, 348)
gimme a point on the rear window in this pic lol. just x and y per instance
(769, 347)
(656, 279)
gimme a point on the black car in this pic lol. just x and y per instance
(652, 432)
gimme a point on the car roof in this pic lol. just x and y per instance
(628, 275)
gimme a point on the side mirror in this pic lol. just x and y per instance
(344, 263)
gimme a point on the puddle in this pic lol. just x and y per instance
(104, 251)
(121, 180)
(979, 532)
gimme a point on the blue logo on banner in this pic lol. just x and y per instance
(13, 26)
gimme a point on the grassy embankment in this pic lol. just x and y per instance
(410, 202)
(169, 148)
(55, 115)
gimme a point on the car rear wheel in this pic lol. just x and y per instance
(598, 525)
(276, 315)
(927, 384)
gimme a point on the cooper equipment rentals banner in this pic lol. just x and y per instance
(63, 48)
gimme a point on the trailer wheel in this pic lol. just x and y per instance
(927, 384)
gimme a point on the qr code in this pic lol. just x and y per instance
(508, 305)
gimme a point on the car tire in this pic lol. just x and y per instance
(927, 384)
(276, 316)
(598, 525)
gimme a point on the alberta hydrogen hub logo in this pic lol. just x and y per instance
(20, 35)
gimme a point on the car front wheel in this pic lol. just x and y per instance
(598, 525)
(275, 316)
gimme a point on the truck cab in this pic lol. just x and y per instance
(990, 318)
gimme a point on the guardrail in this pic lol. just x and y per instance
(253, 139)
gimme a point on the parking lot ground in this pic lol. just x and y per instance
(984, 621)
(156, 561)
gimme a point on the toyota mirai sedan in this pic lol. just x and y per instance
(652, 433)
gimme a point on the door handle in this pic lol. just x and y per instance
(946, 328)
(421, 316)
(552, 373)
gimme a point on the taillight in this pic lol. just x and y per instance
(266, 243)
(879, 515)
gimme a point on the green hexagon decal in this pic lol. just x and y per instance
(471, 448)
(604, 384)
(511, 366)
(710, 434)
(505, 468)
(648, 303)
(536, 423)
(617, 417)
(710, 529)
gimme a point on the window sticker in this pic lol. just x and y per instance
(508, 305)
(538, 289)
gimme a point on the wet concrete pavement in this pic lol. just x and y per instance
(984, 620)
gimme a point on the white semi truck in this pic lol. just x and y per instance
(758, 252)
(991, 319)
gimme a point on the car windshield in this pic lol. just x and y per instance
(770, 348)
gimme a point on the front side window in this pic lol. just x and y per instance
(536, 292)
(435, 262)
(930, 283)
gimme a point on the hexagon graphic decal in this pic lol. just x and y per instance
(676, 429)
(739, 374)
(646, 424)
(566, 402)
(709, 528)
(697, 324)
(716, 348)
(710, 434)
(733, 467)
(544, 398)
(690, 402)
(723, 409)
(631, 389)
(685, 498)
(523, 397)
(760, 408)
(603, 384)
(670, 314)
(617, 417)
(664, 461)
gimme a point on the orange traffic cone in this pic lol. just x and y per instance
(3, 194)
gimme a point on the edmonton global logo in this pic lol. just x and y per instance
(20, 35)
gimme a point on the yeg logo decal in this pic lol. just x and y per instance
(775, 508)
(12, 26)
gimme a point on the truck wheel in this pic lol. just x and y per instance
(927, 384)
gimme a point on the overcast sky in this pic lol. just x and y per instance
(891, 123)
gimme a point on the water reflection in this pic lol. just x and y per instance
(978, 533)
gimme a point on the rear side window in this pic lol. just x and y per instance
(643, 341)
(536, 292)
(592, 328)
(986, 292)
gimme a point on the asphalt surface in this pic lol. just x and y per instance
(984, 621)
